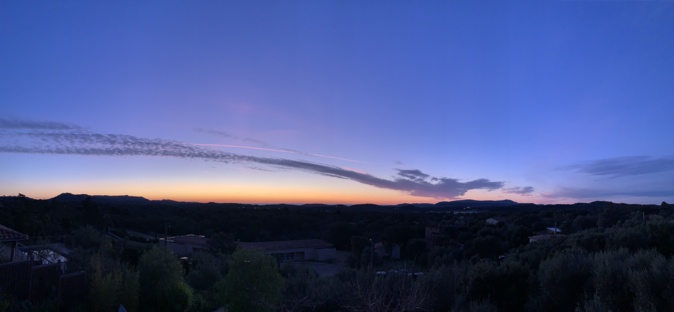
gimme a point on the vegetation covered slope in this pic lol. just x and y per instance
(608, 257)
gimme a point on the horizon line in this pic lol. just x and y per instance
(319, 203)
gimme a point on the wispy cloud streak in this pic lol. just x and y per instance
(58, 138)
(633, 176)
(625, 166)
(264, 146)
(6, 123)
(243, 147)
(589, 193)
(520, 190)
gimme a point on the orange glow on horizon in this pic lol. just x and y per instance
(286, 196)
(252, 191)
(249, 195)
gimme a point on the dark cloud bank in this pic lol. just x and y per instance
(59, 138)
(585, 193)
(646, 176)
(625, 166)
(526, 190)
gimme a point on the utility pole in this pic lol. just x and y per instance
(371, 252)
(166, 235)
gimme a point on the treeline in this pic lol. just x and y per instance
(609, 257)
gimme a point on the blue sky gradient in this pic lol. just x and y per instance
(339, 101)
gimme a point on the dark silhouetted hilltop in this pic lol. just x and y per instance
(103, 199)
(469, 203)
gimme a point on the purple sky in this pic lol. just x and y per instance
(339, 101)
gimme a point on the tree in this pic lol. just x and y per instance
(443, 284)
(363, 290)
(339, 234)
(649, 278)
(505, 284)
(358, 244)
(661, 235)
(206, 270)
(87, 237)
(222, 243)
(563, 280)
(306, 291)
(162, 287)
(206, 275)
(253, 282)
(111, 284)
(610, 279)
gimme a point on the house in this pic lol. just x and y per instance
(36, 274)
(494, 221)
(185, 245)
(386, 250)
(431, 232)
(542, 237)
(551, 232)
(46, 254)
(295, 250)
(554, 230)
(538, 238)
(9, 244)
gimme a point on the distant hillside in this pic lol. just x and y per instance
(469, 203)
(103, 199)
(137, 200)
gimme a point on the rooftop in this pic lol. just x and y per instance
(283, 245)
(190, 239)
(7, 234)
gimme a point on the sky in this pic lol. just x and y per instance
(348, 102)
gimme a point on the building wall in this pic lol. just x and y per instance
(326, 254)
(304, 254)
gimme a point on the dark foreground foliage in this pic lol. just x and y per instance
(608, 257)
